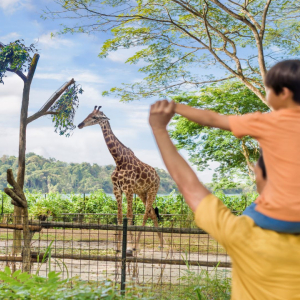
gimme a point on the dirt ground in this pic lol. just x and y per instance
(98, 242)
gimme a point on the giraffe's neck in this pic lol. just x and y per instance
(119, 152)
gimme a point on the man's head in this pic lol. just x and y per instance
(260, 174)
(283, 84)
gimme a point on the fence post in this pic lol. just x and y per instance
(124, 246)
(2, 202)
(84, 202)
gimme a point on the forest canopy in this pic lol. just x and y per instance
(51, 175)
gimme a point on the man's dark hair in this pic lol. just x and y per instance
(261, 164)
(285, 74)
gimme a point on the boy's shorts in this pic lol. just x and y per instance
(270, 223)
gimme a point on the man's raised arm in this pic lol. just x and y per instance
(192, 189)
(203, 117)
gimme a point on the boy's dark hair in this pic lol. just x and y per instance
(261, 164)
(285, 74)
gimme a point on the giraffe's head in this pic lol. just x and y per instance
(96, 117)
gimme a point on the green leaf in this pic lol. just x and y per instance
(7, 271)
(23, 277)
(16, 273)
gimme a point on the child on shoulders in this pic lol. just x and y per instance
(278, 134)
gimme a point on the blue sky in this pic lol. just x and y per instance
(63, 58)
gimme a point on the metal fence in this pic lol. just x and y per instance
(86, 246)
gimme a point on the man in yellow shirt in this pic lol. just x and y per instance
(265, 264)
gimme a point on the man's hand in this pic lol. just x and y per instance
(161, 112)
(188, 184)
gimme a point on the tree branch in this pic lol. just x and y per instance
(19, 73)
(257, 37)
(51, 113)
(32, 67)
(264, 18)
(17, 194)
(249, 164)
(49, 103)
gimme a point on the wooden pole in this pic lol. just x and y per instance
(20, 227)
(142, 260)
(77, 225)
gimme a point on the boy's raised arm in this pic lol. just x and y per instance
(203, 117)
(192, 189)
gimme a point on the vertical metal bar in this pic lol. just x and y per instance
(84, 202)
(2, 202)
(181, 206)
(135, 214)
(124, 246)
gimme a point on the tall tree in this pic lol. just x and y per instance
(17, 58)
(204, 145)
(181, 41)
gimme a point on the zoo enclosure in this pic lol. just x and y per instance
(85, 246)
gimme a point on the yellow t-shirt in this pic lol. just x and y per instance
(265, 264)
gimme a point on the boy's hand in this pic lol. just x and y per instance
(161, 112)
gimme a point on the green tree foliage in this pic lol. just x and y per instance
(66, 107)
(204, 144)
(181, 42)
(51, 175)
(15, 57)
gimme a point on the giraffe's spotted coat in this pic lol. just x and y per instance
(131, 176)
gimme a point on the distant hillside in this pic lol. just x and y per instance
(51, 175)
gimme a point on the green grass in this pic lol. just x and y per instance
(203, 286)
(207, 285)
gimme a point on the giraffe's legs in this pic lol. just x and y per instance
(148, 200)
(118, 194)
(129, 197)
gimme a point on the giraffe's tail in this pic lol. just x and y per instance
(157, 212)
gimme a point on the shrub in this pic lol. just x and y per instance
(21, 286)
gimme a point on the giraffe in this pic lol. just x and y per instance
(131, 176)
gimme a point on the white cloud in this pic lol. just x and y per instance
(11, 6)
(10, 37)
(81, 76)
(8, 4)
(83, 146)
(122, 55)
(150, 157)
(10, 100)
(13, 85)
(54, 42)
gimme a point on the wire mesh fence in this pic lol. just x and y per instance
(89, 246)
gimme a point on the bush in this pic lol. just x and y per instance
(19, 286)
(237, 203)
(98, 202)
(206, 285)
(22, 286)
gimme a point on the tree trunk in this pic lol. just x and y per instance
(27, 236)
(17, 236)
